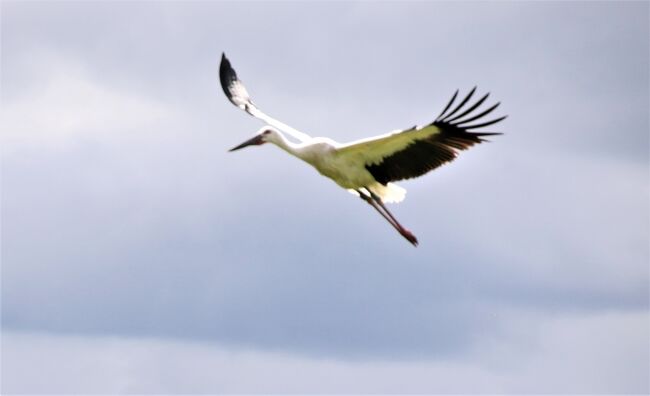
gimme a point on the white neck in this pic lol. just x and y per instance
(290, 147)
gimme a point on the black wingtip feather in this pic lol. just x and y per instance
(472, 108)
(492, 122)
(227, 76)
(477, 116)
(460, 122)
(232, 85)
(448, 105)
(460, 105)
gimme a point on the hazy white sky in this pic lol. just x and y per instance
(140, 254)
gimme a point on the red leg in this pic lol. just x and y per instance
(376, 203)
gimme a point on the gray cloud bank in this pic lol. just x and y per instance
(560, 360)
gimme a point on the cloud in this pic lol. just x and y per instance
(142, 196)
(173, 242)
(584, 354)
(70, 107)
(123, 216)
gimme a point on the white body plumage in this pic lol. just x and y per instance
(345, 169)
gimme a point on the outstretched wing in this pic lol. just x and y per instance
(238, 95)
(413, 152)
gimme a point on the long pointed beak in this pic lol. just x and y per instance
(256, 140)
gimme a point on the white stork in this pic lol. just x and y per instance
(367, 167)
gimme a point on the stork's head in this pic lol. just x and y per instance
(264, 135)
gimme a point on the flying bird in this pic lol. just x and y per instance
(368, 167)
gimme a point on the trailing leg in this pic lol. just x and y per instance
(374, 201)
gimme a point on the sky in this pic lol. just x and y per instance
(139, 256)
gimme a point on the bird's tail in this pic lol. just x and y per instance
(389, 193)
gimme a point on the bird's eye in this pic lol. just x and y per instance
(266, 132)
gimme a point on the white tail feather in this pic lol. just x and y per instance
(390, 193)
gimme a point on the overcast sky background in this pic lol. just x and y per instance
(138, 256)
